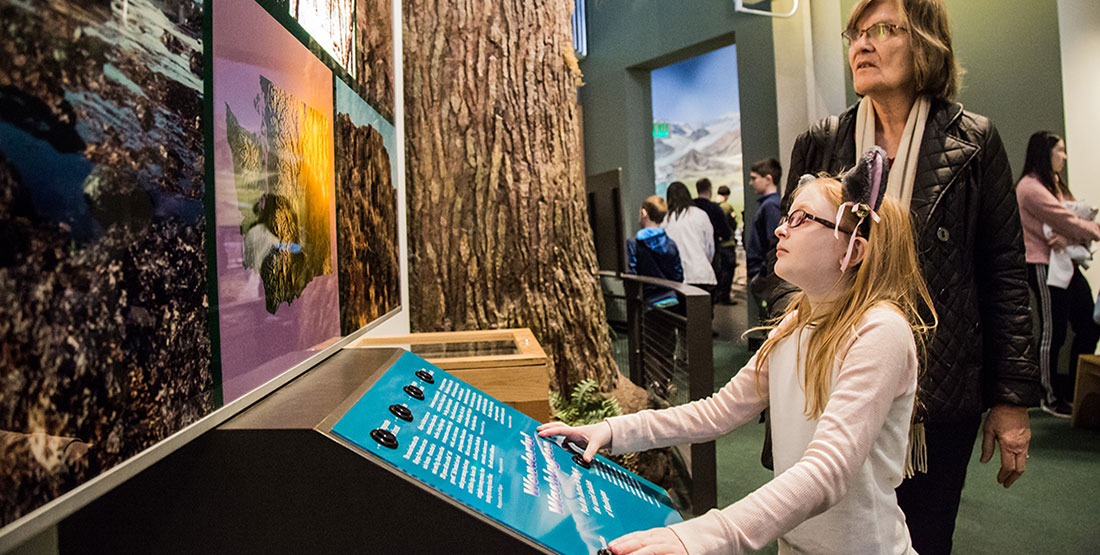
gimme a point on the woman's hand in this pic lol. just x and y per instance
(591, 437)
(655, 541)
(1057, 242)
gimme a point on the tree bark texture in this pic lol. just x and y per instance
(366, 226)
(498, 233)
(374, 53)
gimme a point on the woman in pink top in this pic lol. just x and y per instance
(1041, 193)
(839, 373)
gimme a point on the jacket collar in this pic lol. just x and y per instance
(647, 232)
(768, 197)
(943, 155)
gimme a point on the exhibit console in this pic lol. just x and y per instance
(373, 450)
(478, 451)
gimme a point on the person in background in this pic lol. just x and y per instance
(722, 232)
(722, 196)
(840, 375)
(1041, 193)
(727, 250)
(763, 178)
(950, 171)
(651, 253)
(690, 228)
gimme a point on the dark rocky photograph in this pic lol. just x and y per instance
(366, 215)
(103, 289)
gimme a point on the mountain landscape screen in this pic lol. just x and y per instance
(697, 123)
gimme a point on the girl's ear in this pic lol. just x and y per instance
(859, 252)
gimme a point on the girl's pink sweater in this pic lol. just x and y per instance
(835, 475)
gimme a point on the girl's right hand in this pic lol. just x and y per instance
(592, 437)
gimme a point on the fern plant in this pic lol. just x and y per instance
(586, 405)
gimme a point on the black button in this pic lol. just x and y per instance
(414, 392)
(402, 412)
(572, 446)
(603, 551)
(385, 437)
(424, 375)
(581, 462)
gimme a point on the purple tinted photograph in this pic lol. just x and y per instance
(274, 198)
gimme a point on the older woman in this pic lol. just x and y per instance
(950, 168)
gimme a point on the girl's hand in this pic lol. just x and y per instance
(591, 437)
(655, 541)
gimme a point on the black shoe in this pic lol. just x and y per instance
(1060, 409)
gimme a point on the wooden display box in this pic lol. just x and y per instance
(508, 364)
(1086, 393)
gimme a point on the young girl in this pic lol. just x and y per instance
(1041, 194)
(840, 375)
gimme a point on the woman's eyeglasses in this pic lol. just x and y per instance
(798, 217)
(877, 32)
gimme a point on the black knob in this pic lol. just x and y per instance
(603, 551)
(581, 462)
(573, 446)
(402, 412)
(424, 375)
(414, 392)
(385, 437)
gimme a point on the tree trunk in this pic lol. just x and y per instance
(498, 233)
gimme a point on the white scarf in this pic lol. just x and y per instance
(904, 169)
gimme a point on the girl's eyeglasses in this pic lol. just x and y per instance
(798, 217)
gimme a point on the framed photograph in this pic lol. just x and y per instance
(274, 198)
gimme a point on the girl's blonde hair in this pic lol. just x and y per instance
(888, 275)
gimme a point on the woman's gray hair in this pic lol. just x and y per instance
(935, 69)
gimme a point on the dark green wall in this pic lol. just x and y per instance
(1011, 54)
(627, 39)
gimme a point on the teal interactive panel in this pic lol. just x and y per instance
(486, 455)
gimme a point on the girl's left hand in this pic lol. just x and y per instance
(655, 541)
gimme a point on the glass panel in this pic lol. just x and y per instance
(465, 349)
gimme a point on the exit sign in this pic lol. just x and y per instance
(660, 130)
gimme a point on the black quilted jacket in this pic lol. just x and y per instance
(971, 250)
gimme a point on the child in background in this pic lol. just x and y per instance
(652, 253)
(839, 373)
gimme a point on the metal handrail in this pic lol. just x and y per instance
(695, 320)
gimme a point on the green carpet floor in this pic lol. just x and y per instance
(1053, 509)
